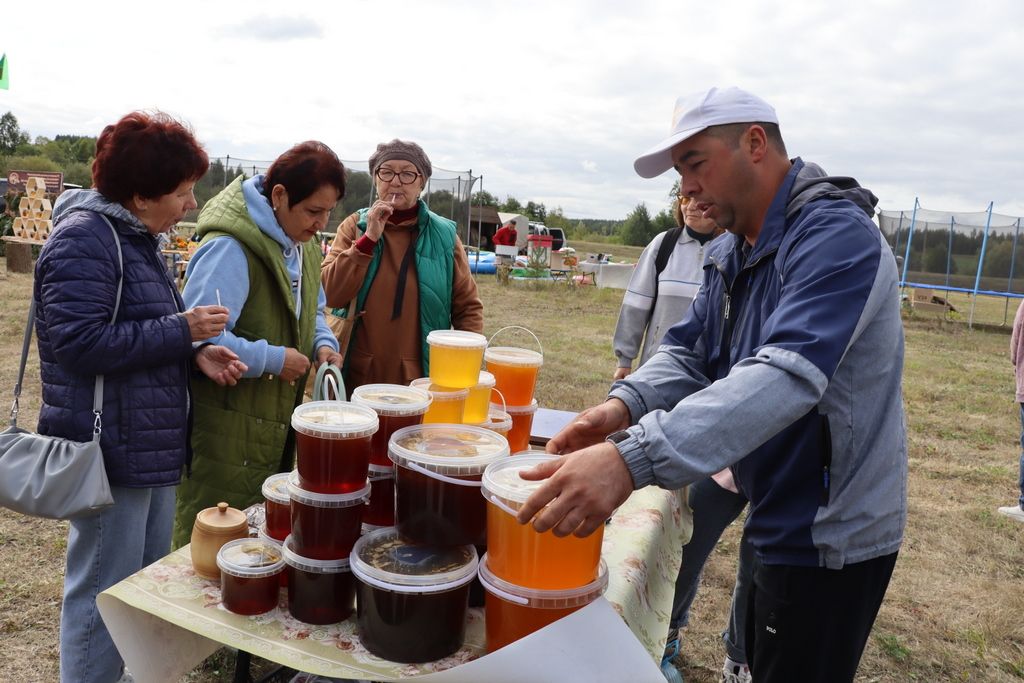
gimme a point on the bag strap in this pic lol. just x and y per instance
(97, 399)
(668, 243)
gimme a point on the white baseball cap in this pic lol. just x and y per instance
(694, 113)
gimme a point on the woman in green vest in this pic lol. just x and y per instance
(257, 257)
(406, 269)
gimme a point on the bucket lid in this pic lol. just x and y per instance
(275, 488)
(250, 558)
(308, 564)
(370, 528)
(382, 559)
(222, 519)
(457, 338)
(334, 420)
(486, 380)
(325, 500)
(378, 472)
(438, 392)
(392, 400)
(447, 448)
(517, 410)
(502, 478)
(497, 420)
(513, 355)
(564, 598)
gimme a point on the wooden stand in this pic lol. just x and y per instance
(19, 254)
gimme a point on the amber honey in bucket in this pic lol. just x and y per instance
(518, 553)
(396, 406)
(325, 526)
(497, 421)
(522, 424)
(447, 404)
(515, 372)
(319, 591)
(333, 440)
(249, 569)
(380, 509)
(277, 506)
(411, 600)
(455, 357)
(479, 400)
(437, 482)
(514, 612)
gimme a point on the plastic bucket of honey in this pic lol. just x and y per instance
(514, 368)
(325, 526)
(319, 591)
(479, 399)
(497, 421)
(455, 357)
(518, 553)
(332, 445)
(396, 406)
(411, 600)
(277, 506)
(437, 482)
(514, 612)
(522, 424)
(447, 404)
(249, 575)
(380, 509)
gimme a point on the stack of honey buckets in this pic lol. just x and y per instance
(385, 510)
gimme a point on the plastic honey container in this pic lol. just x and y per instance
(396, 406)
(411, 600)
(455, 357)
(277, 506)
(332, 445)
(447, 404)
(514, 612)
(520, 555)
(249, 575)
(380, 509)
(497, 421)
(479, 400)
(319, 591)
(522, 424)
(325, 526)
(437, 482)
(515, 369)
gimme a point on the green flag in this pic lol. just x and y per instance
(4, 72)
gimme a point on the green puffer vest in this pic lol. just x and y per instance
(435, 270)
(242, 434)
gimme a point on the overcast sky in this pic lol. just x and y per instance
(549, 100)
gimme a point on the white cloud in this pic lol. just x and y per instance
(911, 103)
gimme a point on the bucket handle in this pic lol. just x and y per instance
(508, 597)
(517, 327)
(328, 377)
(497, 501)
(440, 477)
(504, 404)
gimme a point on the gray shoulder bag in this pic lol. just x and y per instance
(47, 476)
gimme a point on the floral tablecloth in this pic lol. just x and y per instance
(166, 612)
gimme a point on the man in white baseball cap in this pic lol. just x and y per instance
(787, 370)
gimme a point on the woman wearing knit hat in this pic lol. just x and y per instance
(406, 269)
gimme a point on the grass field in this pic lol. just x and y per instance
(953, 610)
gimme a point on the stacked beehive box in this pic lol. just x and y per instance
(33, 220)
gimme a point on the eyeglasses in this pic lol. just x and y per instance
(386, 175)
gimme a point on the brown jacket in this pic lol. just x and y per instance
(382, 349)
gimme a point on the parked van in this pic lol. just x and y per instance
(558, 240)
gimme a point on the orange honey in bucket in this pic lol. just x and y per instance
(522, 424)
(517, 553)
(455, 357)
(515, 372)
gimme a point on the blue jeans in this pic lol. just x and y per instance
(1020, 476)
(102, 550)
(714, 508)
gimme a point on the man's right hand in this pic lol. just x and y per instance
(205, 322)
(591, 427)
(295, 365)
(621, 373)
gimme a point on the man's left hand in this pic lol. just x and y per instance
(220, 364)
(582, 490)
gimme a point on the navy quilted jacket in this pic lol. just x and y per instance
(145, 355)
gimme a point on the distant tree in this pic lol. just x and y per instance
(511, 205)
(29, 163)
(485, 198)
(638, 229)
(557, 219)
(998, 258)
(11, 135)
(78, 173)
(664, 221)
(535, 211)
(357, 195)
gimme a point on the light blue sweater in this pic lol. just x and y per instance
(225, 270)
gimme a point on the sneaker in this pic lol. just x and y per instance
(734, 672)
(1013, 511)
(668, 669)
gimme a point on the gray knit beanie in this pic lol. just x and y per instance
(406, 151)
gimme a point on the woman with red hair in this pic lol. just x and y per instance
(106, 305)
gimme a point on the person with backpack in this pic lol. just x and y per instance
(657, 297)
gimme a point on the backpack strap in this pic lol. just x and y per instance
(668, 243)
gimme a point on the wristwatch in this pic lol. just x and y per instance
(617, 437)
